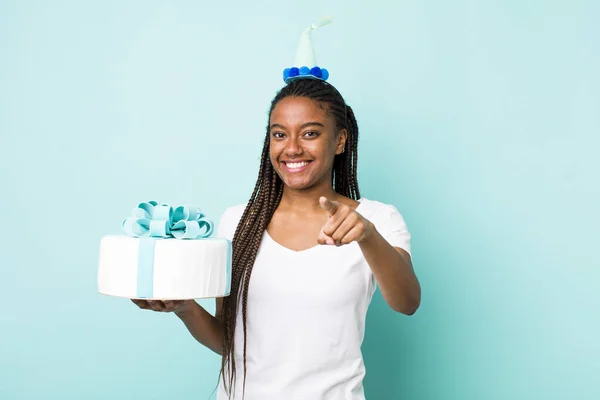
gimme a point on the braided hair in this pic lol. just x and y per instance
(264, 201)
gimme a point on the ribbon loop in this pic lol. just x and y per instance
(208, 224)
(163, 212)
(159, 228)
(181, 213)
(149, 219)
(186, 229)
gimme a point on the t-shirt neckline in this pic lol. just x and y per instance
(309, 249)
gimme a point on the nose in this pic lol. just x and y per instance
(292, 147)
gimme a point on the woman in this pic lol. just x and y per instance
(308, 253)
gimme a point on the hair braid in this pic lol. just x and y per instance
(264, 201)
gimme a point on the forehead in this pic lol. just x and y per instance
(298, 110)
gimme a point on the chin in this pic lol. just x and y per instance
(301, 183)
(306, 179)
(297, 184)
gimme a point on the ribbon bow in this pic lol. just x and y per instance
(149, 219)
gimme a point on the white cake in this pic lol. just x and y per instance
(152, 262)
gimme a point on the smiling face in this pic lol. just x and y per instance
(304, 140)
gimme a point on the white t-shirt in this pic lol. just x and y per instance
(306, 314)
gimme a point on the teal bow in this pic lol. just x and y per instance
(149, 219)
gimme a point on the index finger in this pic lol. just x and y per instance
(330, 206)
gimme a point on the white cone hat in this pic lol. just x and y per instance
(305, 64)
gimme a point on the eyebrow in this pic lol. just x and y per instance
(307, 124)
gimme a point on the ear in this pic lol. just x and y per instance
(342, 136)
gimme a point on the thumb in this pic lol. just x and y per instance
(330, 206)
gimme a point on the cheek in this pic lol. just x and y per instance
(328, 149)
(274, 152)
(322, 148)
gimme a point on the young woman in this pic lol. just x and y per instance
(308, 252)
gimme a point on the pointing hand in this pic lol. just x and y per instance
(344, 225)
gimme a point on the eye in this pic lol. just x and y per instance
(277, 135)
(311, 134)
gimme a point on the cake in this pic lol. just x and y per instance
(165, 253)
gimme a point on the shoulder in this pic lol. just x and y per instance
(376, 211)
(233, 213)
(388, 221)
(229, 220)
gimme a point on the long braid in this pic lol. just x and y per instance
(264, 201)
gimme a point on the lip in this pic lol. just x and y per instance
(295, 170)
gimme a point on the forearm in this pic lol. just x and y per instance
(394, 273)
(204, 327)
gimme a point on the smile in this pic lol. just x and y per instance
(295, 167)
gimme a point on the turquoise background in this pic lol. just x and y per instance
(479, 121)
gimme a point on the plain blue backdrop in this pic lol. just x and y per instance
(479, 120)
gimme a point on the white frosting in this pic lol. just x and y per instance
(183, 269)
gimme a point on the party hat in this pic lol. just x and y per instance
(305, 65)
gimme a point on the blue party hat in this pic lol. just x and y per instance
(305, 65)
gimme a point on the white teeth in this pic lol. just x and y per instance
(297, 165)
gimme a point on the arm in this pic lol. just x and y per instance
(391, 266)
(393, 270)
(205, 328)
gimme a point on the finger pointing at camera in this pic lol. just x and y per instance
(344, 224)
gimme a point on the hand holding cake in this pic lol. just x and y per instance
(163, 306)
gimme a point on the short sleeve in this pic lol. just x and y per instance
(392, 226)
(229, 221)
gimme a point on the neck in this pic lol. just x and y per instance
(306, 199)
